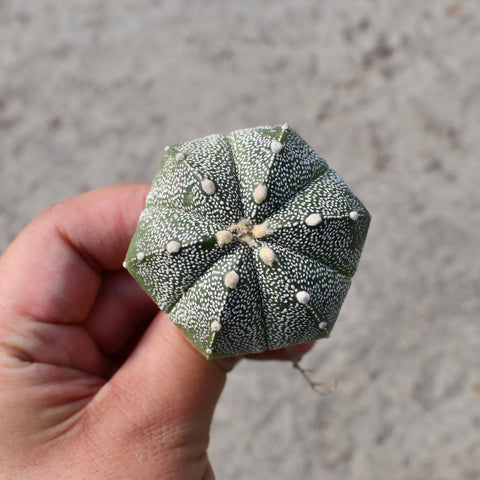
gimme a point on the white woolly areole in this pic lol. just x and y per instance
(179, 157)
(223, 237)
(242, 227)
(231, 279)
(208, 351)
(267, 255)
(303, 297)
(215, 326)
(260, 230)
(260, 193)
(353, 215)
(173, 246)
(140, 256)
(313, 220)
(322, 325)
(208, 186)
(276, 146)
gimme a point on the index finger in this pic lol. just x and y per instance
(74, 240)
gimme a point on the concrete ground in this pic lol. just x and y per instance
(389, 93)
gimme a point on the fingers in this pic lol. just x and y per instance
(165, 368)
(64, 296)
(165, 390)
(99, 224)
(120, 308)
(51, 272)
(161, 401)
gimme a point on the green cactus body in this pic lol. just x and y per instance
(248, 241)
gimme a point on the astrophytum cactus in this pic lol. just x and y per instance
(248, 241)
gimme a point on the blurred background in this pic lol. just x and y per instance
(388, 91)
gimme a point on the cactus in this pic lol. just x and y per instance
(248, 241)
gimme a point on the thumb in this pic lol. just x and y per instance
(159, 406)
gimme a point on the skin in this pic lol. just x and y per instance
(95, 381)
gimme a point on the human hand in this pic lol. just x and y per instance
(95, 381)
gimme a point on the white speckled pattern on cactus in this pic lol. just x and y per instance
(260, 203)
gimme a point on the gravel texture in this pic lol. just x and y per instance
(389, 93)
